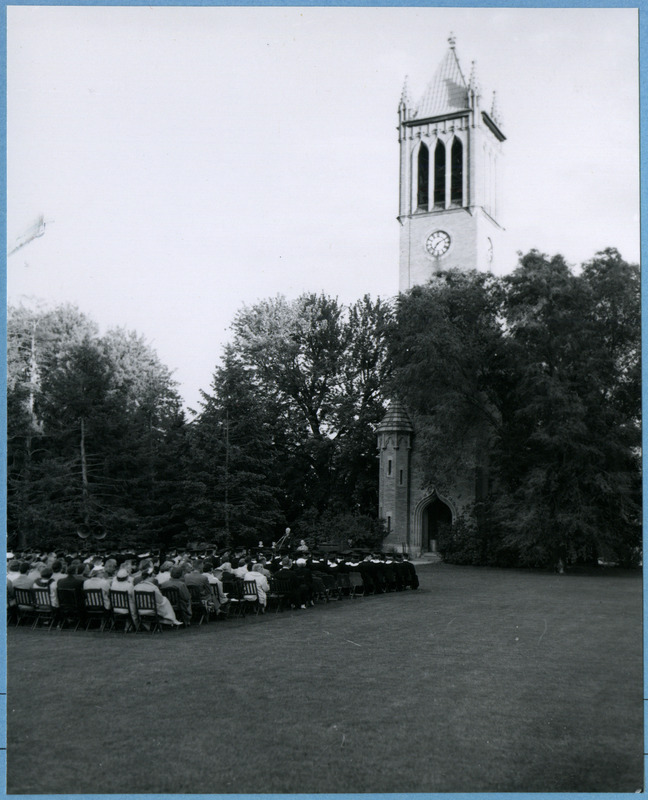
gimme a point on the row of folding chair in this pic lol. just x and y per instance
(35, 605)
(325, 588)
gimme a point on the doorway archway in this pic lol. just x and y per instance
(433, 518)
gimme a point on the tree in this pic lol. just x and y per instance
(321, 365)
(87, 422)
(533, 381)
(232, 461)
(37, 342)
(449, 364)
(573, 479)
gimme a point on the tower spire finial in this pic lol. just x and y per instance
(495, 113)
(473, 83)
(405, 93)
(452, 40)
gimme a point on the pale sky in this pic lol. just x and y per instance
(190, 160)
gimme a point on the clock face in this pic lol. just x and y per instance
(437, 243)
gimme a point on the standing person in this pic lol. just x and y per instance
(305, 579)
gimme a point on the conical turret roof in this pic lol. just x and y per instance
(447, 91)
(396, 419)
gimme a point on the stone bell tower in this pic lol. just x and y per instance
(449, 211)
(450, 157)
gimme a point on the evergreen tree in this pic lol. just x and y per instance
(232, 461)
(87, 423)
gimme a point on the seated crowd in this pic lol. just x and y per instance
(189, 586)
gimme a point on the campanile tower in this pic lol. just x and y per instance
(450, 154)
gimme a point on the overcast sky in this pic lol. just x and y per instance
(190, 160)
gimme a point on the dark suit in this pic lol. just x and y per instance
(287, 575)
(74, 582)
(184, 604)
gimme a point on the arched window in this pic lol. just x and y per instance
(422, 194)
(439, 175)
(456, 173)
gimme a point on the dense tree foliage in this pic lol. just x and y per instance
(292, 416)
(532, 380)
(231, 464)
(88, 418)
(529, 384)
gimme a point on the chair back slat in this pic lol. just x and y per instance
(145, 601)
(250, 589)
(119, 601)
(281, 586)
(42, 596)
(24, 597)
(172, 594)
(94, 600)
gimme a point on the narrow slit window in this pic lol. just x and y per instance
(440, 175)
(388, 524)
(422, 196)
(400, 477)
(389, 466)
(456, 173)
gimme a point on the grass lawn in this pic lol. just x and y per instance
(483, 680)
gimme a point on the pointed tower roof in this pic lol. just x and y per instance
(447, 91)
(396, 419)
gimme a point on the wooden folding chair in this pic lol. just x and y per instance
(280, 592)
(236, 598)
(344, 583)
(320, 591)
(120, 610)
(95, 609)
(221, 602)
(250, 597)
(24, 605)
(198, 610)
(44, 611)
(68, 610)
(147, 612)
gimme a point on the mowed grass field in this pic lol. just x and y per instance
(483, 680)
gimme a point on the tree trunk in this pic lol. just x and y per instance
(85, 493)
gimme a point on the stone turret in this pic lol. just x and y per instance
(395, 434)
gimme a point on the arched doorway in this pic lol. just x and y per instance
(436, 520)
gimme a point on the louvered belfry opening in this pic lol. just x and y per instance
(423, 193)
(439, 175)
(456, 173)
